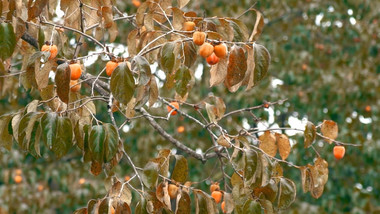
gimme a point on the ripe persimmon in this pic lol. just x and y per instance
(214, 187)
(74, 85)
(127, 178)
(217, 195)
(51, 48)
(110, 67)
(180, 129)
(18, 179)
(222, 206)
(206, 50)
(76, 71)
(136, 3)
(368, 108)
(339, 152)
(40, 187)
(172, 190)
(212, 59)
(188, 26)
(220, 50)
(176, 105)
(82, 181)
(199, 38)
(18, 171)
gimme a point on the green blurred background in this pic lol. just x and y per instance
(325, 61)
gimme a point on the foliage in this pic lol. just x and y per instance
(86, 129)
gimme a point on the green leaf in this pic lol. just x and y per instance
(5, 137)
(252, 167)
(143, 68)
(122, 84)
(150, 174)
(167, 57)
(25, 129)
(309, 134)
(204, 204)
(64, 137)
(239, 29)
(182, 77)
(286, 193)
(8, 40)
(262, 61)
(251, 207)
(49, 123)
(34, 144)
(111, 142)
(181, 170)
(184, 204)
(96, 142)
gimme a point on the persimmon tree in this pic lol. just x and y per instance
(63, 117)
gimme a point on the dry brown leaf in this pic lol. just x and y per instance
(283, 145)
(218, 72)
(329, 129)
(268, 143)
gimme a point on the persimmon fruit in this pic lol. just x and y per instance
(176, 105)
(212, 59)
(74, 85)
(199, 38)
(52, 49)
(214, 187)
(82, 181)
(339, 152)
(223, 207)
(220, 50)
(110, 67)
(127, 178)
(173, 191)
(368, 108)
(136, 3)
(18, 179)
(217, 195)
(188, 26)
(180, 129)
(76, 71)
(18, 171)
(206, 50)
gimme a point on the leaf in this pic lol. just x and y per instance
(62, 80)
(142, 67)
(239, 29)
(250, 73)
(251, 206)
(329, 129)
(111, 141)
(113, 32)
(259, 25)
(49, 125)
(178, 18)
(96, 168)
(122, 84)
(286, 193)
(167, 57)
(96, 143)
(163, 158)
(181, 170)
(25, 129)
(306, 179)
(237, 66)
(266, 169)
(122, 208)
(269, 191)
(262, 61)
(315, 177)
(218, 72)
(36, 9)
(104, 206)
(190, 54)
(224, 141)
(6, 139)
(268, 143)
(309, 134)
(183, 204)
(283, 145)
(8, 41)
(162, 194)
(42, 75)
(252, 168)
(150, 175)
(204, 204)
(64, 138)
(153, 91)
(131, 41)
(182, 3)
(229, 202)
(182, 77)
